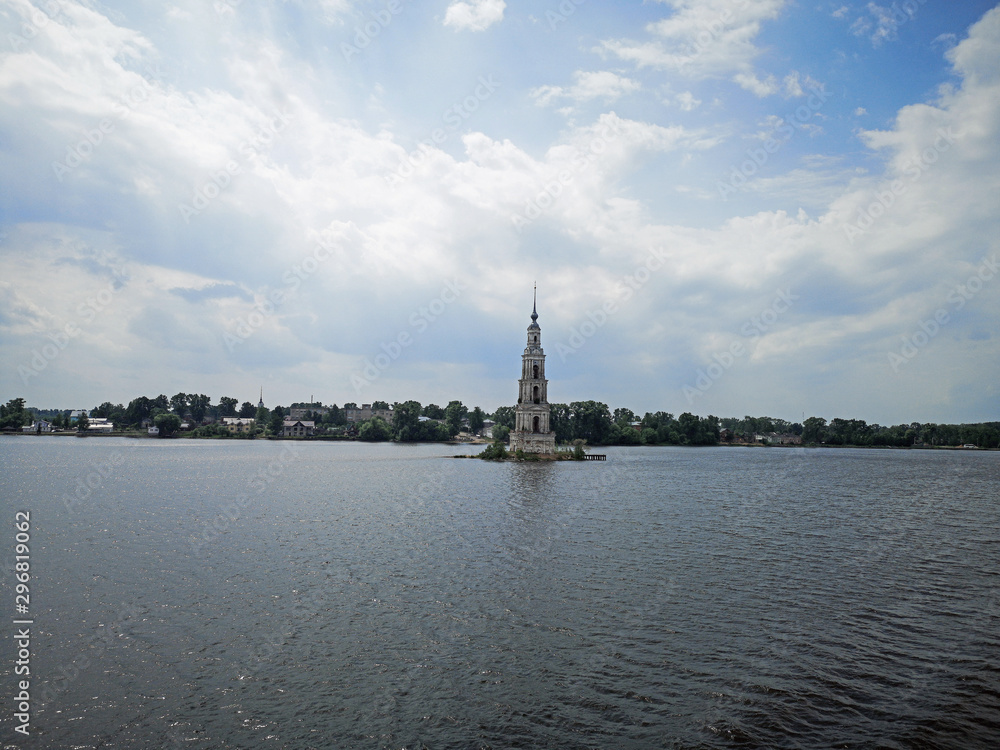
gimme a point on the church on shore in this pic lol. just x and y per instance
(531, 432)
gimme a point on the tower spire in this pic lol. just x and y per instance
(532, 430)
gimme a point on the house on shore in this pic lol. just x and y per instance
(298, 428)
(239, 424)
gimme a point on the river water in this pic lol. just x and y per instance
(253, 594)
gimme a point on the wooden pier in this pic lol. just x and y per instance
(595, 457)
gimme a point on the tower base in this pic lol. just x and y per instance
(533, 442)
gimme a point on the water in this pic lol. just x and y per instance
(381, 596)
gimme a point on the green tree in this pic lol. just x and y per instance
(814, 430)
(689, 427)
(167, 423)
(179, 404)
(247, 410)
(82, 423)
(380, 405)
(591, 421)
(561, 422)
(406, 425)
(433, 411)
(277, 421)
(105, 410)
(199, 405)
(476, 420)
(497, 451)
(501, 432)
(138, 410)
(161, 402)
(624, 417)
(504, 415)
(13, 415)
(454, 413)
(227, 406)
(350, 405)
(262, 417)
(374, 430)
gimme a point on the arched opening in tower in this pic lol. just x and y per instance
(534, 424)
(535, 395)
(536, 372)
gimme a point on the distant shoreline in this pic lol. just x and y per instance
(483, 441)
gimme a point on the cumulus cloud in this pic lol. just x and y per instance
(602, 84)
(477, 15)
(700, 38)
(334, 230)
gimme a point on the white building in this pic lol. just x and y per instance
(38, 426)
(99, 424)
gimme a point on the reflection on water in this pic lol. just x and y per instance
(388, 596)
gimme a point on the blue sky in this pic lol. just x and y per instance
(730, 207)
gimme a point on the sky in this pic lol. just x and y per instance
(729, 207)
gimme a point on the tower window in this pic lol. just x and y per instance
(534, 424)
(535, 395)
(536, 372)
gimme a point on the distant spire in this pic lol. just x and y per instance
(534, 304)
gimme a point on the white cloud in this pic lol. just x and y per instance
(602, 84)
(686, 101)
(393, 244)
(702, 38)
(754, 85)
(882, 22)
(476, 15)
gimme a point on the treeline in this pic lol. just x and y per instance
(589, 421)
(595, 423)
(858, 432)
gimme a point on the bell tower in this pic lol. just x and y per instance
(531, 419)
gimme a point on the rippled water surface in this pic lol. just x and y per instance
(242, 594)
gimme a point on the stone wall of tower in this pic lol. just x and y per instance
(532, 431)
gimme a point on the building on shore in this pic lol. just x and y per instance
(365, 413)
(531, 432)
(298, 428)
(239, 424)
